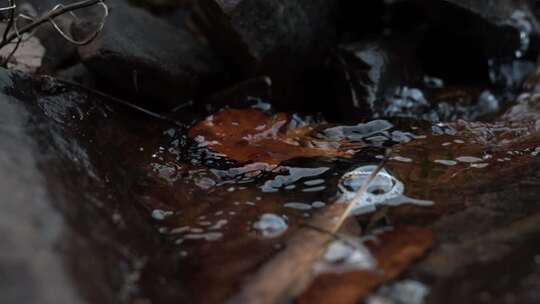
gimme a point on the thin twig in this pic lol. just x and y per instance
(123, 103)
(11, 20)
(48, 17)
(360, 193)
(8, 57)
(89, 38)
(286, 274)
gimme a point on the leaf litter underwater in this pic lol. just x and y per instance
(253, 198)
(447, 196)
(423, 190)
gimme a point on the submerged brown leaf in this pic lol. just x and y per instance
(250, 135)
(288, 273)
(394, 251)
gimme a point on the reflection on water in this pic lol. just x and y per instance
(290, 176)
(407, 291)
(345, 255)
(212, 213)
(235, 216)
(271, 225)
(383, 189)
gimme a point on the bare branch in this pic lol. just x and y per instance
(89, 38)
(55, 12)
(12, 6)
(8, 57)
(123, 103)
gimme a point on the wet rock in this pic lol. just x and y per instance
(163, 3)
(256, 89)
(457, 34)
(444, 104)
(453, 36)
(77, 74)
(487, 250)
(366, 73)
(28, 56)
(149, 59)
(29, 223)
(390, 77)
(42, 6)
(503, 28)
(281, 39)
(359, 20)
(67, 228)
(59, 52)
(257, 34)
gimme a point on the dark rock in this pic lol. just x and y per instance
(32, 270)
(149, 59)
(278, 38)
(59, 52)
(367, 73)
(457, 35)
(70, 233)
(78, 74)
(488, 252)
(163, 4)
(257, 88)
(178, 17)
(42, 6)
(390, 76)
(502, 28)
(254, 33)
(361, 19)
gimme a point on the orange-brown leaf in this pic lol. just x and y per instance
(394, 251)
(250, 135)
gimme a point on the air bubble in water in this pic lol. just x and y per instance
(270, 225)
(342, 256)
(384, 189)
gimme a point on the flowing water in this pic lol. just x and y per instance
(226, 218)
(218, 220)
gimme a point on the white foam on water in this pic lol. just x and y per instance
(314, 182)
(359, 131)
(298, 206)
(344, 256)
(479, 165)
(402, 159)
(446, 162)
(468, 159)
(289, 178)
(180, 230)
(314, 189)
(219, 224)
(406, 291)
(271, 225)
(160, 215)
(318, 204)
(384, 189)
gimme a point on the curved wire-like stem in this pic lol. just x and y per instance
(58, 10)
(94, 34)
(11, 8)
